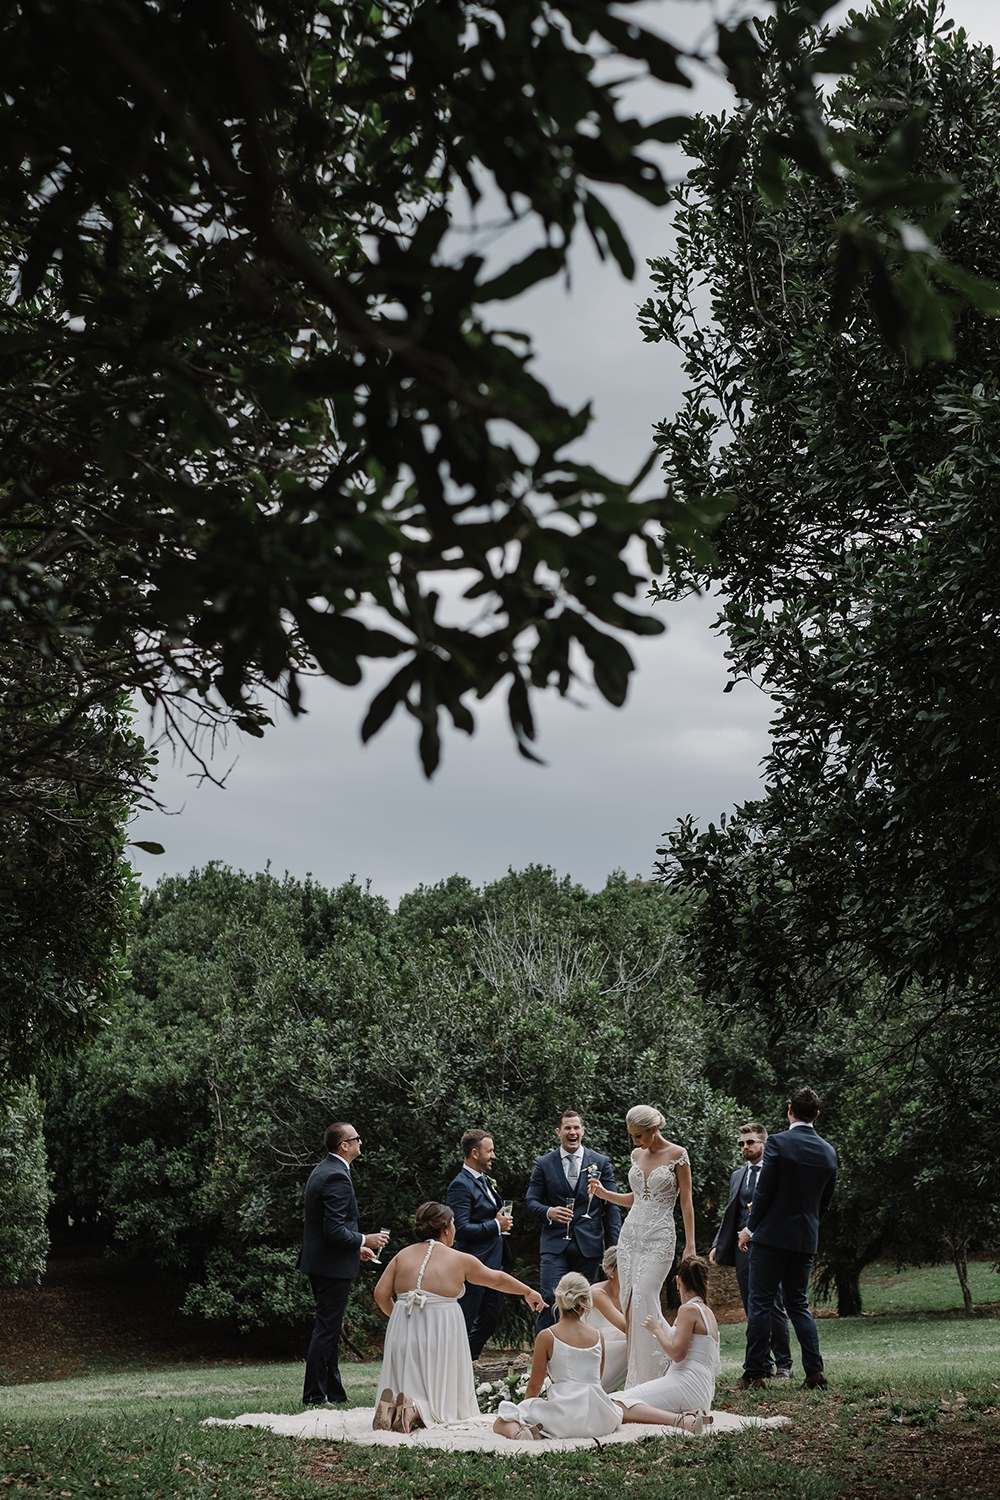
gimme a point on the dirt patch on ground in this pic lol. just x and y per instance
(92, 1312)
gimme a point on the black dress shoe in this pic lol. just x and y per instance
(817, 1381)
(743, 1384)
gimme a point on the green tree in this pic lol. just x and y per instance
(250, 399)
(859, 573)
(260, 1010)
(24, 1191)
(70, 761)
(857, 898)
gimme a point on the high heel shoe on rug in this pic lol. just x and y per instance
(382, 1420)
(530, 1434)
(406, 1418)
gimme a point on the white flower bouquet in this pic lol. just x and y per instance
(510, 1388)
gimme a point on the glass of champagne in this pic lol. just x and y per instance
(376, 1261)
(570, 1204)
(508, 1208)
(593, 1173)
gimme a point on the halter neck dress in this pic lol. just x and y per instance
(426, 1355)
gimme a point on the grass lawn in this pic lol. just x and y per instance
(913, 1411)
(926, 1288)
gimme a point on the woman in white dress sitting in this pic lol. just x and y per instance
(426, 1371)
(683, 1396)
(571, 1354)
(609, 1320)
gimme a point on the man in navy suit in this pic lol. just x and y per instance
(481, 1227)
(797, 1178)
(742, 1186)
(557, 1177)
(333, 1248)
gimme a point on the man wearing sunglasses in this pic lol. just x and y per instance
(333, 1248)
(724, 1251)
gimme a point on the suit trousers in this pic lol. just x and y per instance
(780, 1345)
(554, 1265)
(772, 1268)
(481, 1307)
(322, 1382)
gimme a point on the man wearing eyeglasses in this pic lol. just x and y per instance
(724, 1251)
(333, 1248)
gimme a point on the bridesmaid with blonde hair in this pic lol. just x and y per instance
(660, 1174)
(572, 1356)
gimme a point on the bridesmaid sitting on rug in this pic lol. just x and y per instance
(608, 1319)
(426, 1367)
(572, 1355)
(683, 1396)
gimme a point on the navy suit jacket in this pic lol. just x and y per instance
(548, 1188)
(797, 1178)
(331, 1243)
(475, 1211)
(733, 1220)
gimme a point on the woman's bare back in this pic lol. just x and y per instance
(444, 1273)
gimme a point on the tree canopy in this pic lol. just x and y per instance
(254, 417)
(859, 569)
(260, 1010)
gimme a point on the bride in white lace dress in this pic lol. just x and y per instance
(660, 1174)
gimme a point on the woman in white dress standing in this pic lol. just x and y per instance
(426, 1371)
(660, 1174)
(571, 1354)
(607, 1317)
(683, 1396)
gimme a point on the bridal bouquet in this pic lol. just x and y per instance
(511, 1388)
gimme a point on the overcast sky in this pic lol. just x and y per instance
(310, 798)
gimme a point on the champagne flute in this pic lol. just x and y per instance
(376, 1261)
(508, 1208)
(570, 1204)
(593, 1173)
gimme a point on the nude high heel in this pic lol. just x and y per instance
(384, 1412)
(406, 1418)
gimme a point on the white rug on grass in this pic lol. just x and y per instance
(355, 1426)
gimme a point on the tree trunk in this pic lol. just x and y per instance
(848, 1279)
(961, 1259)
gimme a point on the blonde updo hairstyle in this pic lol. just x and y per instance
(573, 1295)
(644, 1117)
(609, 1260)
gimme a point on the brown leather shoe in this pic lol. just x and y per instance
(817, 1381)
(743, 1384)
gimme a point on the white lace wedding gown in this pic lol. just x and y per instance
(645, 1254)
(575, 1405)
(689, 1384)
(426, 1355)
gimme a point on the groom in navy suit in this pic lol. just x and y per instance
(481, 1227)
(555, 1178)
(797, 1178)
